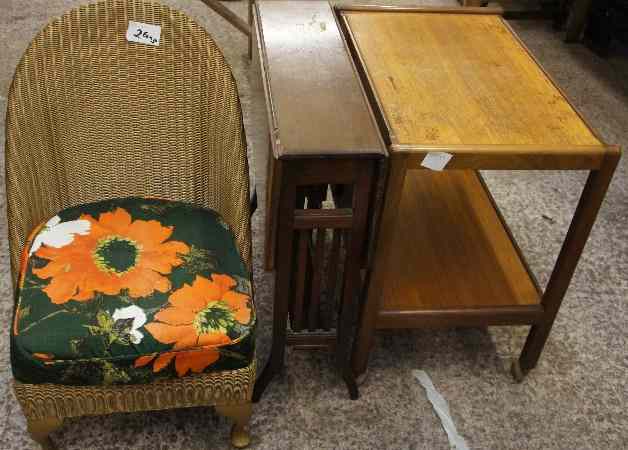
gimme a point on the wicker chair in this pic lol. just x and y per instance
(92, 117)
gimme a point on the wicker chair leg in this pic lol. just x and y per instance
(240, 414)
(40, 431)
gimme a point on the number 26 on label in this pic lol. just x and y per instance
(143, 33)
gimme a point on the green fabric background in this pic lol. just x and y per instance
(81, 358)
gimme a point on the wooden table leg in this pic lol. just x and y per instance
(229, 16)
(274, 172)
(374, 279)
(355, 245)
(579, 230)
(283, 275)
(250, 20)
(576, 19)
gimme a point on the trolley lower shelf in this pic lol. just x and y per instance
(452, 257)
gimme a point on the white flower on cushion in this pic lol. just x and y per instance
(139, 319)
(59, 234)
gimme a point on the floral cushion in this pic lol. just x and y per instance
(130, 290)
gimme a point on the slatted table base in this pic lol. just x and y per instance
(319, 254)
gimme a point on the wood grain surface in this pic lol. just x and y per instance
(450, 250)
(316, 101)
(462, 79)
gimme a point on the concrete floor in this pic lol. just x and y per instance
(575, 399)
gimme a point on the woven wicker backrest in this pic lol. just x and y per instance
(91, 116)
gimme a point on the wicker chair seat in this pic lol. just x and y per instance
(126, 291)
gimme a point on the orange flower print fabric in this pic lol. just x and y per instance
(199, 318)
(118, 253)
(130, 290)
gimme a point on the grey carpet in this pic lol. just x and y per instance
(575, 399)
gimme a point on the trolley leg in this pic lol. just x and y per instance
(579, 230)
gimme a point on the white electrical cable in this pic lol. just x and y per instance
(439, 404)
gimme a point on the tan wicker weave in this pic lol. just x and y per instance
(90, 117)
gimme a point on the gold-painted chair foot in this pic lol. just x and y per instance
(517, 372)
(40, 430)
(240, 414)
(240, 436)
